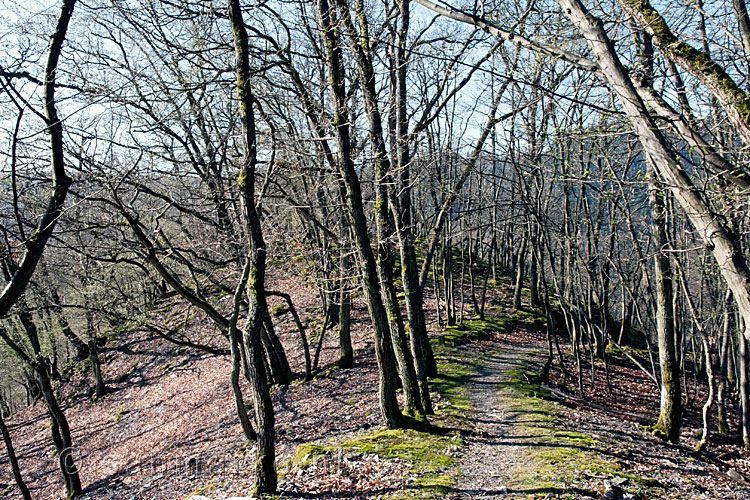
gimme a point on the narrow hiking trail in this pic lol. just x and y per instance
(518, 448)
(526, 445)
(491, 451)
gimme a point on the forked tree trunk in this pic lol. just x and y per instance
(60, 428)
(387, 372)
(257, 309)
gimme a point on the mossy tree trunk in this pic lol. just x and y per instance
(100, 388)
(518, 278)
(346, 352)
(60, 428)
(81, 347)
(265, 465)
(668, 425)
(424, 359)
(385, 226)
(711, 228)
(238, 359)
(34, 245)
(743, 22)
(300, 328)
(60, 434)
(390, 411)
(735, 101)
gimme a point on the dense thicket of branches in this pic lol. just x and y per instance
(593, 152)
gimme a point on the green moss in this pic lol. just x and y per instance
(428, 456)
(422, 449)
(533, 318)
(558, 460)
(474, 328)
(699, 61)
(279, 310)
(242, 179)
(306, 453)
(121, 413)
(202, 489)
(380, 206)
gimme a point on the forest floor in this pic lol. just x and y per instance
(168, 428)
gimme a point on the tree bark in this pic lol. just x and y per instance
(277, 360)
(716, 235)
(60, 181)
(387, 372)
(346, 352)
(12, 457)
(668, 425)
(735, 101)
(257, 310)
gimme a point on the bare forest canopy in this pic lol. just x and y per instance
(170, 156)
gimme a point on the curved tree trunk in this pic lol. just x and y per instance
(265, 465)
(60, 181)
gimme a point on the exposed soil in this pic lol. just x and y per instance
(491, 451)
(597, 445)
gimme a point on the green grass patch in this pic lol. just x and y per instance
(425, 449)
(558, 460)
(279, 310)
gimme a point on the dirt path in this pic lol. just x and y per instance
(524, 446)
(493, 449)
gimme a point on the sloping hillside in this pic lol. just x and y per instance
(168, 429)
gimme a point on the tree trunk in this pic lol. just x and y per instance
(300, 328)
(721, 412)
(346, 352)
(387, 372)
(60, 428)
(744, 384)
(12, 457)
(100, 388)
(34, 246)
(257, 309)
(708, 225)
(668, 425)
(277, 360)
(60, 435)
(518, 278)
